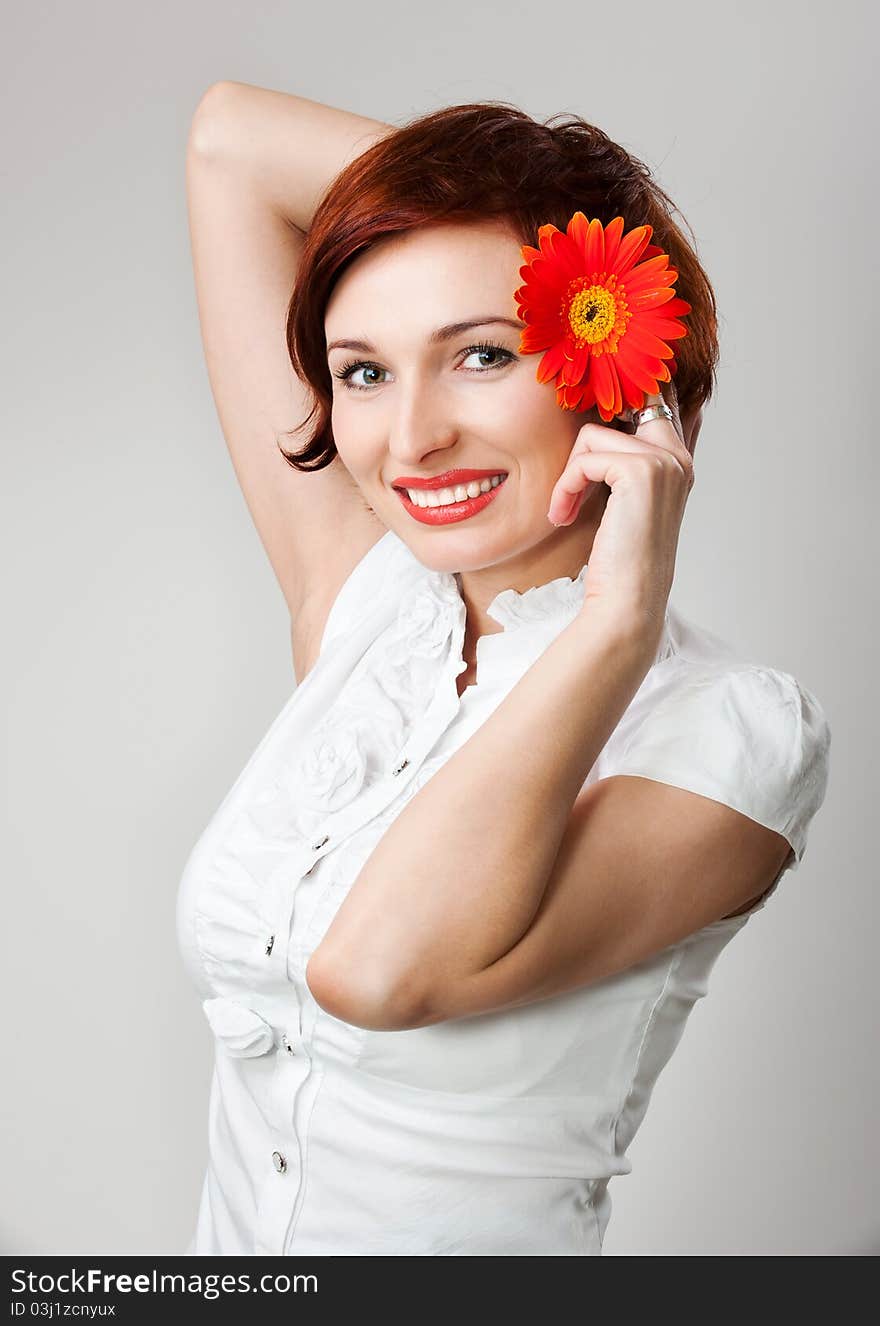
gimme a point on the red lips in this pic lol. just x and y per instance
(450, 479)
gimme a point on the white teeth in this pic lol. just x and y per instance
(445, 496)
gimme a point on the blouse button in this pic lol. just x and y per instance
(269, 944)
(279, 1162)
(400, 767)
(325, 839)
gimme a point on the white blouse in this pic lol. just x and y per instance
(490, 1134)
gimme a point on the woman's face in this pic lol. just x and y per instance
(419, 399)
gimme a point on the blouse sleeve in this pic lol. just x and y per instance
(752, 738)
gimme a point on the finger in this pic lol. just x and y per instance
(602, 437)
(691, 423)
(667, 395)
(603, 455)
(662, 432)
(583, 469)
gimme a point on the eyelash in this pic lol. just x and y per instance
(345, 370)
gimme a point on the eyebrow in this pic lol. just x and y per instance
(440, 334)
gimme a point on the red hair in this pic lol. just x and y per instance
(471, 162)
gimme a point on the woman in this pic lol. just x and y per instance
(450, 921)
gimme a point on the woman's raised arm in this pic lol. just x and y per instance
(257, 162)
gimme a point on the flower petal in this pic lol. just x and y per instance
(675, 308)
(654, 273)
(544, 274)
(636, 369)
(552, 362)
(649, 299)
(617, 405)
(589, 240)
(613, 232)
(578, 363)
(631, 248)
(578, 229)
(643, 340)
(573, 396)
(545, 238)
(568, 256)
(596, 247)
(633, 394)
(602, 381)
(532, 343)
(667, 328)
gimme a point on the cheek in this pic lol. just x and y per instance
(540, 431)
(354, 437)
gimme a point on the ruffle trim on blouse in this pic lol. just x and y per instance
(352, 747)
(557, 600)
(239, 1029)
(358, 737)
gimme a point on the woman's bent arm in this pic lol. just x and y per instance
(458, 876)
(289, 147)
(502, 881)
(256, 162)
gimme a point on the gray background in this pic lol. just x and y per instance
(147, 644)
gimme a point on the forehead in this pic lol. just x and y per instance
(435, 274)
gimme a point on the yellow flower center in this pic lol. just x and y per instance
(596, 310)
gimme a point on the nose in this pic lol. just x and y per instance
(421, 424)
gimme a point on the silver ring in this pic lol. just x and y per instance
(651, 412)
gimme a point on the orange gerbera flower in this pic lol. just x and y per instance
(602, 317)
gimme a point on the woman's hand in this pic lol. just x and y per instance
(650, 474)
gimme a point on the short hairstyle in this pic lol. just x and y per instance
(472, 162)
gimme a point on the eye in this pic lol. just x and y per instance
(503, 356)
(346, 374)
(492, 349)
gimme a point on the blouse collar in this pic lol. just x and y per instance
(434, 609)
(531, 620)
(550, 605)
(553, 601)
